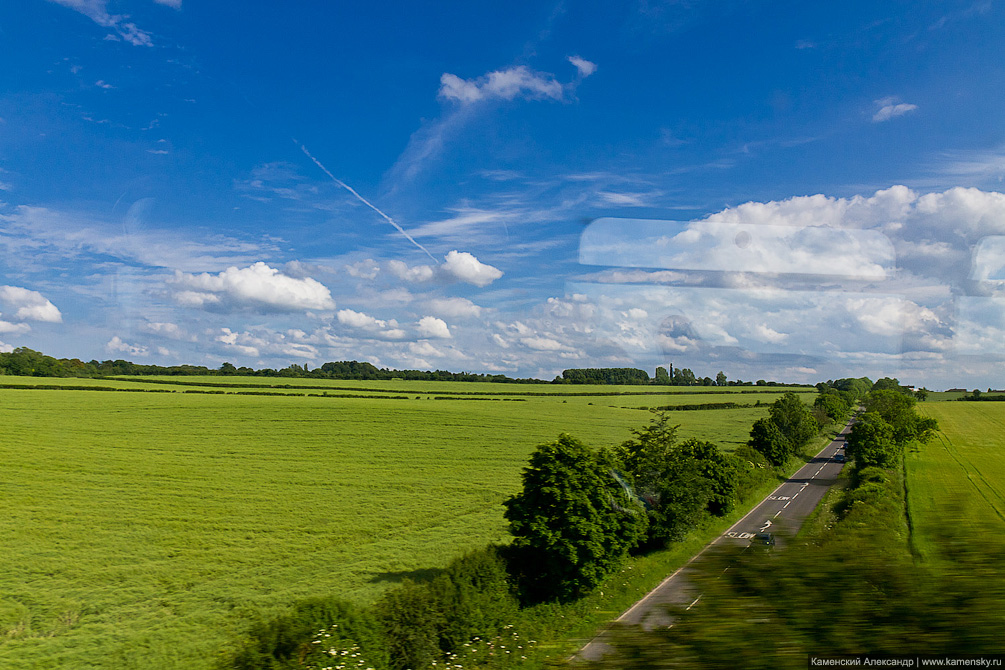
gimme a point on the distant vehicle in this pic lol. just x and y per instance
(839, 458)
(763, 539)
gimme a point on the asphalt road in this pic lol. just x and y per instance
(783, 510)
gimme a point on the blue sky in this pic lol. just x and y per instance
(773, 189)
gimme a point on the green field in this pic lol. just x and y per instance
(959, 476)
(146, 529)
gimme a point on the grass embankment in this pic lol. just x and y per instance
(959, 476)
(146, 530)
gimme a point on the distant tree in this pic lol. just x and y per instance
(766, 438)
(921, 394)
(683, 377)
(720, 379)
(572, 523)
(890, 384)
(662, 377)
(228, 369)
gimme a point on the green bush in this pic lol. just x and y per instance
(286, 641)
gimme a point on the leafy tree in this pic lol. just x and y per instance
(766, 438)
(832, 404)
(722, 471)
(662, 377)
(572, 523)
(677, 483)
(871, 442)
(720, 379)
(793, 419)
(922, 394)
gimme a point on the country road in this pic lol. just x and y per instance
(784, 509)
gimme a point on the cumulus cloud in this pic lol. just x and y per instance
(117, 346)
(374, 327)
(467, 268)
(430, 326)
(889, 108)
(365, 269)
(257, 287)
(583, 66)
(542, 343)
(505, 84)
(28, 305)
(455, 307)
(419, 273)
(165, 329)
(263, 342)
(457, 266)
(97, 11)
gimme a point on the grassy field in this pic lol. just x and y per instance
(145, 529)
(959, 476)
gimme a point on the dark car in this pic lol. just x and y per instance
(763, 539)
(839, 458)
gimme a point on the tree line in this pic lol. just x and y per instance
(29, 363)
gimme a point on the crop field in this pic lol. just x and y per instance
(959, 476)
(145, 530)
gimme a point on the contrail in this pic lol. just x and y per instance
(363, 200)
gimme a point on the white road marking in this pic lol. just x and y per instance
(786, 504)
(693, 603)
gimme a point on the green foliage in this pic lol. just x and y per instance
(793, 419)
(898, 410)
(833, 404)
(871, 442)
(572, 523)
(721, 470)
(411, 621)
(286, 641)
(662, 377)
(605, 376)
(767, 439)
(678, 483)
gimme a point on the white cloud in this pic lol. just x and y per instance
(542, 343)
(501, 85)
(585, 67)
(419, 273)
(258, 287)
(262, 342)
(890, 108)
(365, 269)
(97, 11)
(359, 319)
(455, 307)
(117, 346)
(424, 349)
(174, 4)
(29, 305)
(467, 268)
(457, 266)
(16, 328)
(166, 329)
(430, 326)
(373, 327)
